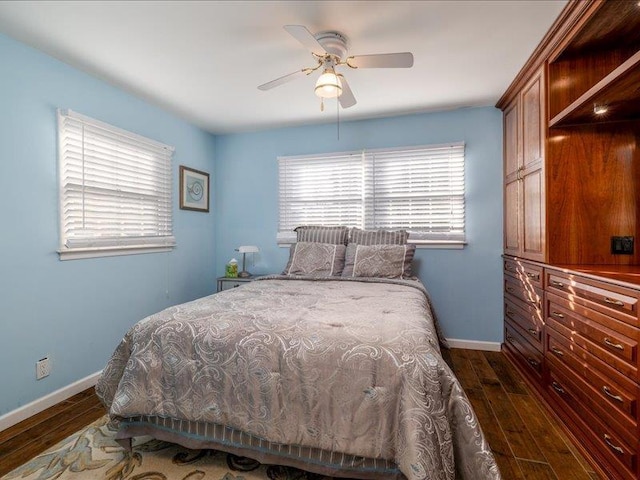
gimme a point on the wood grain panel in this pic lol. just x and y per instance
(533, 119)
(512, 155)
(511, 217)
(593, 187)
(533, 216)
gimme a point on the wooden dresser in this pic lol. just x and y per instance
(574, 333)
(523, 315)
(571, 184)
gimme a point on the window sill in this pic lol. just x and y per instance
(444, 245)
(80, 253)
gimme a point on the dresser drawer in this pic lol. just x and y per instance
(610, 445)
(525, 272)
(527, 318)
(611, 387)
(612, 300)
(530, 358)
(527, 293)
(610, 345)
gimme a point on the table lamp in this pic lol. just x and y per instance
(244, 250)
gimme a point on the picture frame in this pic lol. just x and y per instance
(194, 189)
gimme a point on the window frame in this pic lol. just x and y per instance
(71, 248)
(286, 238)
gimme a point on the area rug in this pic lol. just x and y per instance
(93, 453)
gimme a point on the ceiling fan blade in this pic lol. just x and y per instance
(303, 35)
(382, 60)
(346, 99)
(279, 81)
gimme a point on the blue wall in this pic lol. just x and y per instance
(465, 285)
(77, 311)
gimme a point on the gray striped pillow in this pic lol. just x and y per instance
(378, 237)
(321, 234)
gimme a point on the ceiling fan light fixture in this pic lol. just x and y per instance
(328, 85)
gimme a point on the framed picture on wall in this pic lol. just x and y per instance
(194, 189)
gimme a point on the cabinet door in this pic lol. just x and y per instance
(532, 174)
(512, 218)
(512, 141)
(533, 134)
(512, 166)
(533, 222)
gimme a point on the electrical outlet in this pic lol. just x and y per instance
(622, 245)
(43, 368)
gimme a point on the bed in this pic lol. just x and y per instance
(333, 367)
(340, 376)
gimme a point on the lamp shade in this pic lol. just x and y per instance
(248, 249)
(328, 85)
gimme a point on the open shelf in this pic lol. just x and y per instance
(619, 91)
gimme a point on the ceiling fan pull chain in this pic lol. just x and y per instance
(321, 104)
(338, 117)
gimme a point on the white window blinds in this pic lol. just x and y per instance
(115, 189)
(420, 189)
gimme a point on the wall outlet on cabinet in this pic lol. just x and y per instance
(43, 368)
(622, 245)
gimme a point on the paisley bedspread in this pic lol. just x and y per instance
(344, 366)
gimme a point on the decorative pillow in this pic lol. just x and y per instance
(378, 237)
(385, 261)
(320, 234)
(315, 259)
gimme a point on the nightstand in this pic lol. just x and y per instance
(225, 283)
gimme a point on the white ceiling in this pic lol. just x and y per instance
(204, 59)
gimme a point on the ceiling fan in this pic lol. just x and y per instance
(330, 49)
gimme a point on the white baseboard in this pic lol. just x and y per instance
(30, 409)
(474, 345)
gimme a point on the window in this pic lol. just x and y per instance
(115, 190)
(420, 189)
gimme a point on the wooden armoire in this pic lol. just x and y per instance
(571, 225)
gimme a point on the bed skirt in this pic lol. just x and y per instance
(202, 435)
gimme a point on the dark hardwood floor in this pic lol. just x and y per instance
(36, 434)
(527, 442)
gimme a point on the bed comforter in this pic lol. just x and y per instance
(351, 367)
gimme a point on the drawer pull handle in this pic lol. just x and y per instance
(510, 313)
(557, 314)
(557, 284)
(533, 332)
(607, 440)
(557, 387)
(609, 394)
(533, 363)
(510, 338)
(510, 289)
(609, 343)
(557, 351)
(535, 276)
(612, 301)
